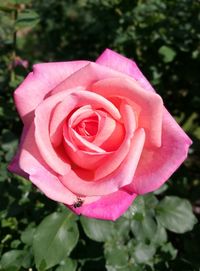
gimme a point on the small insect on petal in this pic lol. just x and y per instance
(78, 203)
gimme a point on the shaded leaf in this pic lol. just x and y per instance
(175, 214)
(167, 53)
(97, 230)
(27, 235)
(27, 18)
(68, 265)
(145, 229)
(116, 257)
(144, 253)
(54, 239)
(12, 260)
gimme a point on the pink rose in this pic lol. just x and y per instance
(95, 135)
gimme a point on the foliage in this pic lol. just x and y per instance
(157, 232)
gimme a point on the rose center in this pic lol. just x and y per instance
(87, 127)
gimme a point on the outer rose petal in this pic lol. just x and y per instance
(109, 207)
(157, 165)
(30, 161)
(122, 64)
(86, 76)
(42, 80)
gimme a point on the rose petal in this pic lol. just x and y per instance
(109, 207)
(122, 176)
(42, 136)
(151, 105)
(86, 76)
(40, 82)
(122, 64)
(157, 165)
(115, 159)
(88, 160)
(110, 134)
(70, 99)
(31, 162)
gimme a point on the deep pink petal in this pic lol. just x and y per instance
(40, 82)
(109, 207)
(122, 64)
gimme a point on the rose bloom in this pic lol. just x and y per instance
(95, 134)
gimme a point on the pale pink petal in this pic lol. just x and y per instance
(86, 76)
(31, 162)
(40, 82)
(122, 64)
(157, 165)
(122, 176)
(42, 120)
(109, 207)
(150, 117)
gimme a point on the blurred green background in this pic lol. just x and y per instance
(159, 232)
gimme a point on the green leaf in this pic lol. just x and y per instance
(167, 53)
(150, 202)
(28, 258)
(4, 171)
(144, 253)
(27, 235)
(116, 257)
(137, 209)
(145, 229)
(97, 230)
(160, 235)
(27, 18)
(68, 265)
(12, 260)
(121, 228)
(54, 239)
(175, 214)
